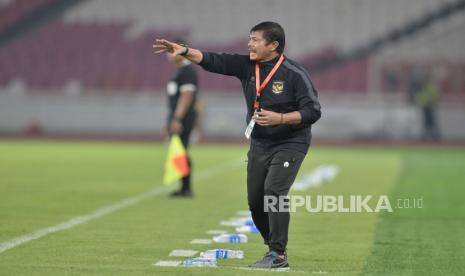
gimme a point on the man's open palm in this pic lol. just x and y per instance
(165, 46)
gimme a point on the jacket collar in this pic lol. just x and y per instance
(271, 62)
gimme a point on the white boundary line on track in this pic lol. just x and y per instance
(4, 246)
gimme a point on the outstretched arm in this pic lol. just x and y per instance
(225, 64)
(165, 46)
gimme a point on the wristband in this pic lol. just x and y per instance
(185, 51)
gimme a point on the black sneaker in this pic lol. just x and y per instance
(271, 260)
(181, 193)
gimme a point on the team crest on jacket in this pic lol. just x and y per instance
(277, 87)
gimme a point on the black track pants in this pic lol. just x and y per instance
(271, 174)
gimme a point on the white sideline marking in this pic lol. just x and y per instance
(168, 263)
(201, 241)
(4, 246)
(182, 253)
(318, 176)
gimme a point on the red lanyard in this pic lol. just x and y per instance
(259, 87)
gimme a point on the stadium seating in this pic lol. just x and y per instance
(106, 44)
(12, 12)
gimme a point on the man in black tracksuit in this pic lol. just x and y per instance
(281, 107)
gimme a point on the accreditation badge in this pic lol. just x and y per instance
(249, 129)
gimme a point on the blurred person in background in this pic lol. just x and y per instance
(425, 94)
(182, 94)
(282, 105)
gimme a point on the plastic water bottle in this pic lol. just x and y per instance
(231, 238)
(223, 254)
(199, 262)
(249, 222)
(247, 229)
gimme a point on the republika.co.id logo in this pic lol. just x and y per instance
(338, 203)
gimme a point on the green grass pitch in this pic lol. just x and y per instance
(44, 183)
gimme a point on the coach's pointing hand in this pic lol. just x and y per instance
(165, 46)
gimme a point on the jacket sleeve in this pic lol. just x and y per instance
(225, 64)
(307, 100)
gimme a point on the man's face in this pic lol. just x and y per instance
(259, 50)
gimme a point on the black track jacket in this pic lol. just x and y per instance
(290, 89)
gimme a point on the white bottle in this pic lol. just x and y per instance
(247, 229)
(223, 254)
(231, 238)
(199, 262)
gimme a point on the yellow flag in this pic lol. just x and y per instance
(176, 165)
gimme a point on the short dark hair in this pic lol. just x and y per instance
(272, 31)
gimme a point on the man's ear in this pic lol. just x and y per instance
(275, 45)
